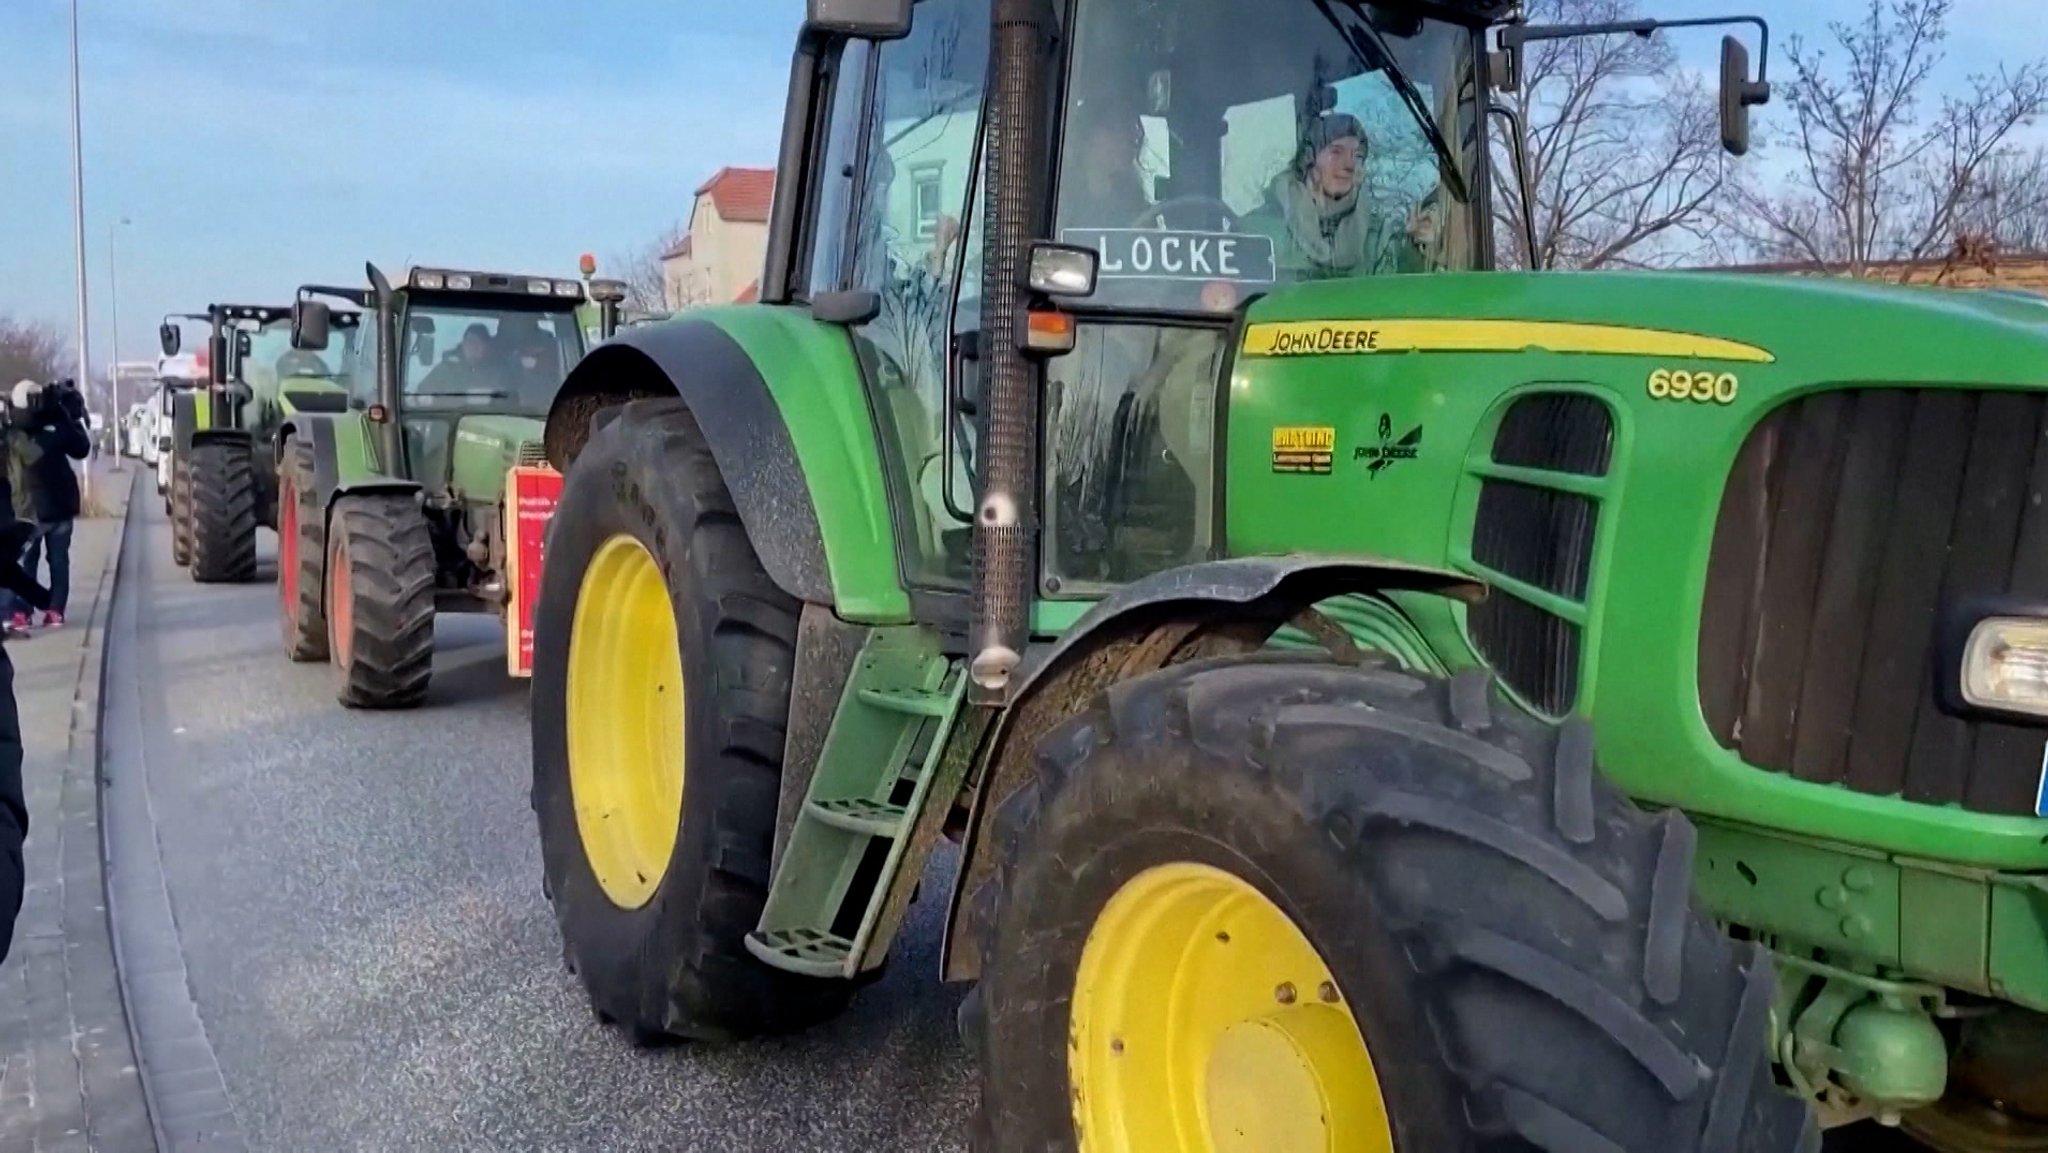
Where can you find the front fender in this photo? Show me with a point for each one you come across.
(780, 401)
(1115, 640)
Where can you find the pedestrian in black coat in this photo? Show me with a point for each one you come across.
(14, 534)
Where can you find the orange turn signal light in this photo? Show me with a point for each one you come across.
(1048, 330)
(378, 414)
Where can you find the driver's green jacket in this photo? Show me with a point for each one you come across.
(1312, 243)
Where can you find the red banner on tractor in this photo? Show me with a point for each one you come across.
(531, 494)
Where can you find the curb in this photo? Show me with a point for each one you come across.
(86, 715)
(182, 1087)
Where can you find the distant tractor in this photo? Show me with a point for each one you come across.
(426, 490)
(227, 435)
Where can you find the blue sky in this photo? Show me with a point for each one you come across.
(258, 144)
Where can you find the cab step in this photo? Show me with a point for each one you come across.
(875, 773)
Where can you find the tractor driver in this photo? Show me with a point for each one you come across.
(535, 371)
(468, 370)
(1322, 224)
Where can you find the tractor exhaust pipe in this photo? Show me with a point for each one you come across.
(1006, 517)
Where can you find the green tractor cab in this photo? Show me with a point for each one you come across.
(393, 505)
(1381, 701)
(222, 474)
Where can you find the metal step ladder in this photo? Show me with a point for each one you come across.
(874, 773)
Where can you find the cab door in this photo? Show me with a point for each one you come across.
(900, 151)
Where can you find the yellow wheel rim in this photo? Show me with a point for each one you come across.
(625, 720)
(1204, 1020)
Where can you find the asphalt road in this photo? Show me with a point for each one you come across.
(358, 898)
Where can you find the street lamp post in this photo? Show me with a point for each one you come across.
(113, 323)
(78, 222)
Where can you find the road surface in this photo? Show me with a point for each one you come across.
(357, 896)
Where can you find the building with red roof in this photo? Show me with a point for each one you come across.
(721, 257)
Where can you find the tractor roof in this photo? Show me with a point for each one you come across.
(566, 292)
(264, 314)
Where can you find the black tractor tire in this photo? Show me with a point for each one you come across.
(301, 550)
(676, 967)
(379, 600)
(223, 512)
(181, 513)
(1516, 940)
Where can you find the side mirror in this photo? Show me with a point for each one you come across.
(1738, 95)
(310, 320)
(423, 349)
(861, 19)
(169, 338)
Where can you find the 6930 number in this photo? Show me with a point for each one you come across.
(1678, 384)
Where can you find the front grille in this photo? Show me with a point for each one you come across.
(1848, 520)
(1542, 538)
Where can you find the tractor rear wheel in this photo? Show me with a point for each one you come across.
(223, 517)
(1273, 902)
(380, 600)
(661, 690)
(181, 513)
(301, 547)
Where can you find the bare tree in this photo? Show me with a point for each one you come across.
(30, 350)
(1878, 173)
(2009, 204)
(1624, 150)
(641, 269)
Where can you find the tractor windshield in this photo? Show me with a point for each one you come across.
(1213, 148)
(483, 358)
(272, 358)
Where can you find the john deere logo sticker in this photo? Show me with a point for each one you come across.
(1388, 450)
(1303, 449)
(1372, 337)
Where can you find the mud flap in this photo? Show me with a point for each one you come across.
(531, 493)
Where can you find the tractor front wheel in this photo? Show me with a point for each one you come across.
(661, 690)
(1276, 903)
(223, 503)
(380, 600)
(181, 514)
(301, 547)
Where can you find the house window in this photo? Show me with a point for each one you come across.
(930, 192)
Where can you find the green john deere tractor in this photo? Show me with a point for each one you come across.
(225, 436)
(1381, 701)
(394, 507)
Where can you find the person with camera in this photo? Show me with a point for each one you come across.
(15, 583)
(45, 431)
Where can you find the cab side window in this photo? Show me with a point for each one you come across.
(362, 366)
(916, 164)
(838, 170)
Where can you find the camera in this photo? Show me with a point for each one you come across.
(36, 406)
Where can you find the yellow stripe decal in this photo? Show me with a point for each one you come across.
(1366, 337)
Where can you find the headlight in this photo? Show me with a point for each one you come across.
(459, 283)
(427, 280)
(2005, 665)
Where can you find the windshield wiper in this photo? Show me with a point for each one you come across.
(1369, 43)
(469, 394)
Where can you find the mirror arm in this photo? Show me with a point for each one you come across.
(1513, 37)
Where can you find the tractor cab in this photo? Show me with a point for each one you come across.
(454, 358)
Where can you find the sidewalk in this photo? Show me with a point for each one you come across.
(68, 1079)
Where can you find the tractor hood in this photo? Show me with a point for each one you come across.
(484, 447)
(1818, 329)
